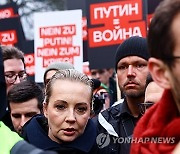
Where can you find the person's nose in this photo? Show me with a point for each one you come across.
(70, 117)
(23, 121)
(131, 71)
(17, 80)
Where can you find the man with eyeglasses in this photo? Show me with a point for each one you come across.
(14, 66)
(160, 124)
(14, 71)
(118, 121)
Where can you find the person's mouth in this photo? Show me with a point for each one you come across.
(69, 131)
(130, 84)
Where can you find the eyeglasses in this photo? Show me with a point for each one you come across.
(172, 57)
(144, 106)
(11, 76)
(175, 57)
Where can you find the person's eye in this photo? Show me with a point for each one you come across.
(29, 115)
(122, 67)
(9, 75)
(60, 107)
(21, 75)
(16, 116)
(81, 109)
(93, 73)
(140, 66)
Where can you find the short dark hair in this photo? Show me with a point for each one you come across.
(25, 91)
(11, 52)
(161, 41)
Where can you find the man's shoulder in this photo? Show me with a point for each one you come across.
(109, 114)
(119, 102)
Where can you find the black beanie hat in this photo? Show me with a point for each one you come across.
(133, 46)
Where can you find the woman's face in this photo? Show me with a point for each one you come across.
(68, 110)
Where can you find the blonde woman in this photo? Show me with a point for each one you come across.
(67, 110)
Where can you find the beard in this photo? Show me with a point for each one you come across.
(134, 93)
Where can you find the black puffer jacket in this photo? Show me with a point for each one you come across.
(36, 133)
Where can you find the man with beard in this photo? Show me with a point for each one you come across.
(160, 125)
(116, 124)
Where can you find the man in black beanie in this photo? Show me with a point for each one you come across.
(116, 124)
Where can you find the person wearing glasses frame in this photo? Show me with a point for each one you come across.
(14, 72)
(162, 120)
(14, 66)
(11, 77)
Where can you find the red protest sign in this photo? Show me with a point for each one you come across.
(8, 37)
(120, 20)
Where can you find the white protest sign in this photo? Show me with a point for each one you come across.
(57, 37)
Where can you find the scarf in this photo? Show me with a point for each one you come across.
(158, 131)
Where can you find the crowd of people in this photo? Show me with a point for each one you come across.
(75, 113)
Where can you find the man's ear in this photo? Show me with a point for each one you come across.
(45, 109)
(159, 72)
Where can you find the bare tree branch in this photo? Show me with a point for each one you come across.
(27, 8)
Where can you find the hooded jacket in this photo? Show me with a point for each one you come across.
(36, 133)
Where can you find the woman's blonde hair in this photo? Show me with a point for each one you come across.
(68, 74)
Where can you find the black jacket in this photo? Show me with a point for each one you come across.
(115, 128)
(36, 133)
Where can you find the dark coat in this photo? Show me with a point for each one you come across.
(36, 133)
(115, 125)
